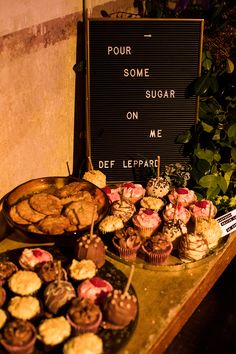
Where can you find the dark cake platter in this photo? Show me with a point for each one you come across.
(113, 340)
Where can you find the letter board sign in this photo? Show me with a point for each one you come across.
(138, 76)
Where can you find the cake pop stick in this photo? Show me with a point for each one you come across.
(91, 164)
(129, 280)
(175, 211)
(93, 220)
(68, 168)
(158, 166)
(59, 273)
(209, 215)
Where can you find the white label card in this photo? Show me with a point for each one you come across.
(227, 222)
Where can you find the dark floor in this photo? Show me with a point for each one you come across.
(212, 327)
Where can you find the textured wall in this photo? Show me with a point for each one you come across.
(37, 85)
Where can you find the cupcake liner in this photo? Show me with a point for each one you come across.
(26, 348)
(129, 254)
(83, 327)
(157, 258)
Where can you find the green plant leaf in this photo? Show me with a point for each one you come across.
(227, 177)
(232, 132)
(206, 59)
(233, 154)
(202, 85)
(204, 154)
(214, 83)
(207, 127)
(203, 167)
(184, 137)
(213, 192)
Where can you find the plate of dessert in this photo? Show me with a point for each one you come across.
(50, 302)
(160, 227)
(54, 207)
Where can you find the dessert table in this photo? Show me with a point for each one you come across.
(167, 298)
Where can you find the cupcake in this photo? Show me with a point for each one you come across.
(211, 230)
(24, 282)
(132, 191)
(53, 331)
(146, 221)
(174, 230)
(95, 289)
(157, 187)
(110, 223)
(127, 242)
(96, 177)
(80, 270)
(152, 203)
(57, 295)
(49, 271)
(124, 209)
(184, 196)
(30, 257)
(7, 269)
(86, 343)
(18, 336)
(2, 296)
(157, 249)
(193, 247)
(203, 209)
(3, 318)
(84, 316)
(91, 247)
(112, 193)
(24, 307)
(176, 212)
(119, 309)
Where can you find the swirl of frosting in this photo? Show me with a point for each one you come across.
(57, 294)
(146, 218)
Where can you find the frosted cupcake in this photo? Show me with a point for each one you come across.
(127, 242)
(157, 187)
(184, 196)
(84, 344)
(211, 230)
(152, 203)
(30, 257)
(157, 249)
(53, 331)
(95, 289)
(112, 193)
(24, 307)
(132, 191)
(124, 209)
(193, 247)
(203, 209)
(174, 230)
(110, 223)
(146, 221)
(176, 212)
(24, 282)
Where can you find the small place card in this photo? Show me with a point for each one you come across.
(227, 222)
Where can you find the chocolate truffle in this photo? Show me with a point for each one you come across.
(91, 247)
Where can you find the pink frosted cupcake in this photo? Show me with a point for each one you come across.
(112, 193)
(31, 257)
(127, 242)
(173, 212)
(184, 196)
(157, 249)
(132, 191)
(94, 289)
(146, 221)
(203, 209)
(19, 336)
(84, 316)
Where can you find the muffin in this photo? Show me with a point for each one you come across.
(193, 247)
(146, 221)
(119, 309)
(184, 196)
(19, 336)
(80, 270)
(152, 203)
(24, 307)
(84, 316)
(132, 191)
(127, 242)
(91, 247)
(2, 296)
(174, 230)
(157, 187)
(57, 295)
(157, 249)
(211, 230)
(95, 289)
(87, 343)
(30, 257)
(54, 331)
(7, 269)
(24, 282)
(110, 223)
(176, 212)
(96, 177)
(49, 271)
(203, 209)
(124, 209)
(112, 193)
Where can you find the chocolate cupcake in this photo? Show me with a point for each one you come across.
(57, 295)
(49, 271)
(19, 336)
(91, 247)
(119, 309)
(127, 242)
(84, 316)
(157, 249)
(7, 269)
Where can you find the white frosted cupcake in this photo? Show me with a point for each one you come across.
(157, 187)
(87, 343)
(193, 247)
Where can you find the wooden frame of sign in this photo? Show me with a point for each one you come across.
(139, 74)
